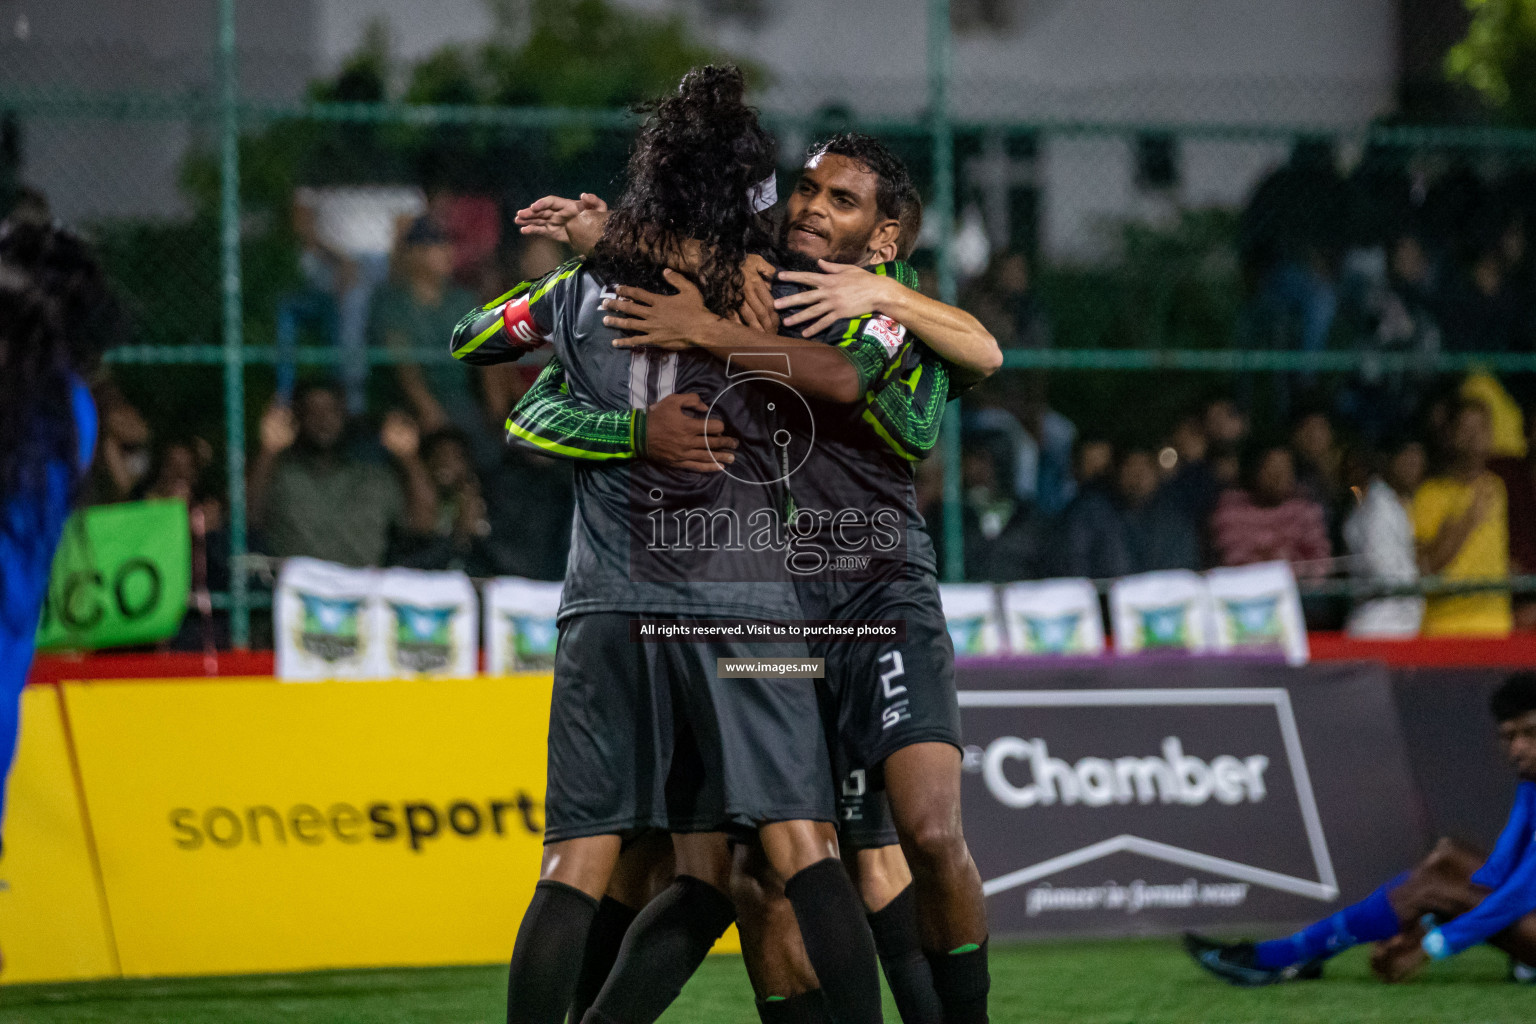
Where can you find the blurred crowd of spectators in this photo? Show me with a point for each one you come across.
(1455, 499)
(437, 487)
(1404, 255)
(402, 466)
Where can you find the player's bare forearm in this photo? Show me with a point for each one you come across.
(953, 334)
(585, 229)
(581, 225)
(840, 291)
(682, 321)
(816, 369)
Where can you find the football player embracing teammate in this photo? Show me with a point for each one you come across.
(645, 735)
(891, 705)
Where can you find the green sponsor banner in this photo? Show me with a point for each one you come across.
(120, 577)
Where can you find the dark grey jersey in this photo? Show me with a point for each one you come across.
(647, 538)
(856, 514)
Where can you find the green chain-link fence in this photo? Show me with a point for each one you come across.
(1140, 248)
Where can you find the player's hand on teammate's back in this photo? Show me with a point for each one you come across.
(670, 322)
(399, 435)
(757, 311)
(279, 428)
(577, 222)
(843, 292)
(679, 432)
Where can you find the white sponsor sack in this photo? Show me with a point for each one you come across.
(428, 624)
(1161, 611)
(1053, 617)
(1257, 608)
(323, 626)
(970, 611)
(520, 630)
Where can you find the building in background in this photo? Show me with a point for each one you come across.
(1239, 63)
(1254, 63)
(56, 52)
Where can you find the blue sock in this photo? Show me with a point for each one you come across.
(1369, 920)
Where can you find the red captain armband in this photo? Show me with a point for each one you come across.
(522, 330)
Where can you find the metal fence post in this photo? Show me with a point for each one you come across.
(942, 211)
(234, 361)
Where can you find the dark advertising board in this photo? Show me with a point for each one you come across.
(1149, 796)
(1453, 749)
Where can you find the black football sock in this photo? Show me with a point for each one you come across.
(547, 957)
(805, 1008)
(837, 940)
(900, 946)
(662, 950)
(608, 927)
(960, 977)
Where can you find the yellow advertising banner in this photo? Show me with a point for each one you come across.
(52, 919)
(250, 825)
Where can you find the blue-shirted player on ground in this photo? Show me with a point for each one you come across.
(55, 317)
(1451, 902)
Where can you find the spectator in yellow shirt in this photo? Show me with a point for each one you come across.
(1461, 526)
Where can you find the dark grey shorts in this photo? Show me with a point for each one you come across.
(644, 735)
(864, 819)
(881, 697)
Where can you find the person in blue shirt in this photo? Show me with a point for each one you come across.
(1454, 900)
(55, 317)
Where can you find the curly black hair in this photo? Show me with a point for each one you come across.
(895, 195)
(698, 154)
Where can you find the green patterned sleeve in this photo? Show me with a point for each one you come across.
(510, 326)
(873, 342)
(905, 408)
(549, 420)
(906, 386)
(902, 271)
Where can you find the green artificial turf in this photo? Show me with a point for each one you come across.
(1078, 982)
